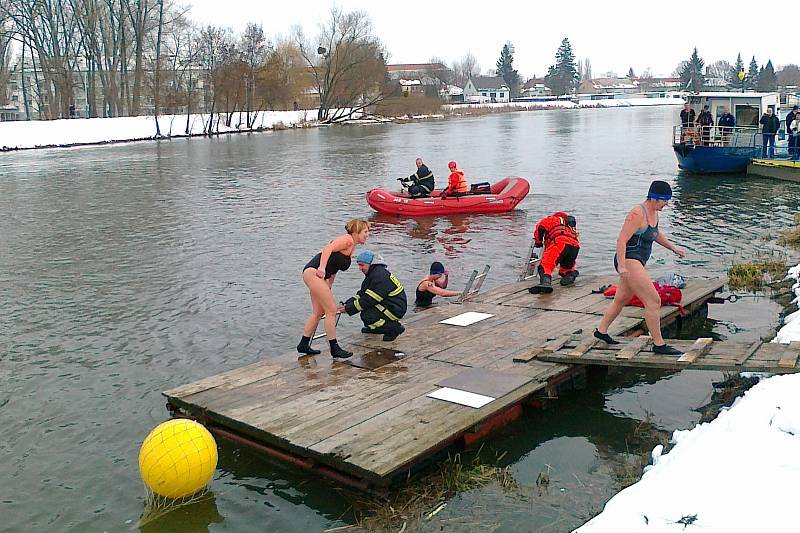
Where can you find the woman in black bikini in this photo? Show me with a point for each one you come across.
(634, 245)
(319, 274)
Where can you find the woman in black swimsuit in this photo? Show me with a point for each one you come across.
(634, 245)
(319, 274)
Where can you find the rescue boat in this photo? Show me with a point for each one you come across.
(503, 196)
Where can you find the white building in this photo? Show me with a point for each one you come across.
(480, 88)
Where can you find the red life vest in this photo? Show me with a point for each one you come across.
(670, 295)
(554, 227)
(456, 182)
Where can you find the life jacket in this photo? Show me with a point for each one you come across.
(555, 227)
(670, 295)
(456, 182)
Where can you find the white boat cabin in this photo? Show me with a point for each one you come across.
(747, 107)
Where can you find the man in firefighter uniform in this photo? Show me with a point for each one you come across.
(421, 183)
(381, 301)
(559, 238)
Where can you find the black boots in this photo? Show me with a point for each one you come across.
(392, 331)
(666, 349)
(569, 278)
(605, 337)
(337, 352)
(305, 348)
(370, 331)
(545, 285)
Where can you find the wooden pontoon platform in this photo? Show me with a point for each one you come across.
(369, 421)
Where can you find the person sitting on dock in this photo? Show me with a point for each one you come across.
(432, 285)
(319, 275)
(421, 183)
(557, 234)
(770, 124)
(456, 182)
(726, 123)
(381, 301)
(706, 122)
(634, 246)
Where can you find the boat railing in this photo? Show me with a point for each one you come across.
(716, 136)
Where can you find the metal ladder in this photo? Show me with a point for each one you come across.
(532, 263)
(323, 334)
(476, 280)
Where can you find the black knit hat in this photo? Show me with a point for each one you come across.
(571, 222)
(659, 190)
(437, 268)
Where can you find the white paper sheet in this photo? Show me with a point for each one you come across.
(461, 397)
(465, 319)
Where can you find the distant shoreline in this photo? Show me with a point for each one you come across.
(71, 133)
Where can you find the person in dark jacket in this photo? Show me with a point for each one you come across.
(793, 148)
(420, 183)
(381, 301)
(726, 123)
(770, 124)
(706, 122)
(687, 122)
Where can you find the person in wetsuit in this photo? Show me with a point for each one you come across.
(634, 245)
(432, 285)
(421, 183)
(381, 301)
(319, 275)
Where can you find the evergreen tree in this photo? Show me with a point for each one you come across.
(752, 74)
(562, 77)
(505, 69)
(691, 73)
(733, 75)
(767, 80)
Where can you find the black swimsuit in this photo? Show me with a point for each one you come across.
(640, 245)
(424, 298)
(337, 262)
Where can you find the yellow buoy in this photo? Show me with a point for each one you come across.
(178, 458)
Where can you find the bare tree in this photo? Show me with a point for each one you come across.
(283, 78)
(6, 35)
(348, 65)
(213, 48)
(254, 48)
(465, 69)
(442, 74)
(789, 75)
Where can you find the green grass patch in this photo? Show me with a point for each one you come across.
(791, 237)
(755, 274)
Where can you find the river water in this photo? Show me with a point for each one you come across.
(131, 269)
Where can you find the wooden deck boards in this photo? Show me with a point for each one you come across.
(738, 357)
(373, 424)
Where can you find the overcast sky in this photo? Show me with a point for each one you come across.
(613, 36)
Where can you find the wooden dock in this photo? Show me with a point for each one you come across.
(782, 169)
(369, 421)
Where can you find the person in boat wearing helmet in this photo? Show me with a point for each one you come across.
(381, 301)
(456, 182)
(421, 183)
(432, 285)
(557, 234)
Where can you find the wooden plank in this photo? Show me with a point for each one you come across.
(750, 351)
(789, 357)
(555, 344)
(584, 346)
(634, 347)
(697, 349)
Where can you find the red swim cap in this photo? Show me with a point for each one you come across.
(451, 165)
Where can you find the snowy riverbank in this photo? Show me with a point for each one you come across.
(55, 133)
(24, 135)
(735, 474)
